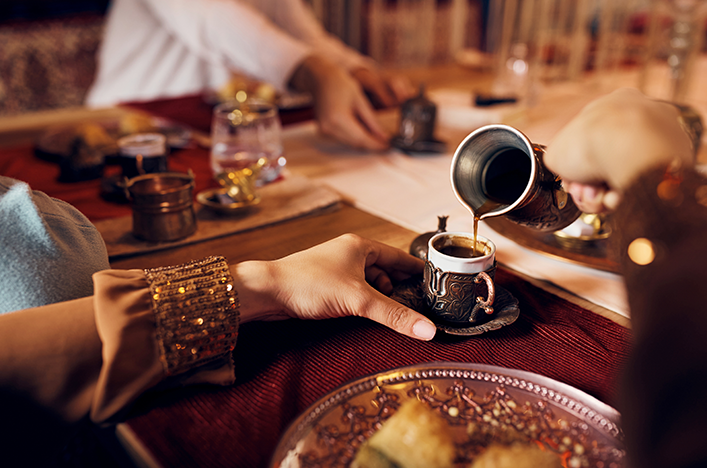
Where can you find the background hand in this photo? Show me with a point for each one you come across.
(611, 142)
(342, 110)
(385, 89)
(348, 275)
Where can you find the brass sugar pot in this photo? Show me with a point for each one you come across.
(162, 206)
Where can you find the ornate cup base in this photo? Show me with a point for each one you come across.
(411, 294)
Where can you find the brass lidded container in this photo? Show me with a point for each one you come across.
(162, 206)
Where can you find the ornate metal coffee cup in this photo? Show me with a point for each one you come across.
(458, 278)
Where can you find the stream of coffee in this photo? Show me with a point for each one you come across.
(505, 178)
(488, 206)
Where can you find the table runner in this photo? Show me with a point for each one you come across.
(285, 199)
(283, 367)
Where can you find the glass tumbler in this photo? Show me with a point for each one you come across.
(675, 36)
(243, 133)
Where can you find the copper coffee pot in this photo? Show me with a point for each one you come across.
(497, 171)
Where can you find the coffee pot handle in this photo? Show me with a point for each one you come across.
(486, 305)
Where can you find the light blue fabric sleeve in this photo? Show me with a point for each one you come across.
(48, 249)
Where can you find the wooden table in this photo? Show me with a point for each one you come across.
(272, 242)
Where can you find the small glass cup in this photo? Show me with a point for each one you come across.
(246, 134)
(675, 35)
(143, 153)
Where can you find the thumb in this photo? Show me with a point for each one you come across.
(403, 320)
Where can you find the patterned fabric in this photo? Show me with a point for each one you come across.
(47, 64)
(196, 311)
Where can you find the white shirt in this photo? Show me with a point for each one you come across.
(166, 48)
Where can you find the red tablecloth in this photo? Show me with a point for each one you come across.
(195, 112)
(21, 163)
(283, 367)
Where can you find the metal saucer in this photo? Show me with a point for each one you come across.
(506, 308)
(217, 199)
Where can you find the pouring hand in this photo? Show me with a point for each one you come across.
(611, 142)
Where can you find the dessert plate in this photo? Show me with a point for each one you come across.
(580, 429)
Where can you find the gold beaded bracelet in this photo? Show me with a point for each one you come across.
(196, 312)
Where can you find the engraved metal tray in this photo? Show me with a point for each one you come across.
(583, 431)
(593, 254)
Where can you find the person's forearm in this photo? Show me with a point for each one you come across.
(52, 355)
(96, 355)
(306, 75)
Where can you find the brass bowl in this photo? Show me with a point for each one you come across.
(602, 230)
(213, 199)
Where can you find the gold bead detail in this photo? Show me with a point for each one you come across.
(187, 300)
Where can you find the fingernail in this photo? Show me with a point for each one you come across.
(424, 330)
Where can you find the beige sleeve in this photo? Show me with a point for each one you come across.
(98, 354)
(51, 355)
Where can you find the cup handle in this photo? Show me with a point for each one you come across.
(486, 305)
